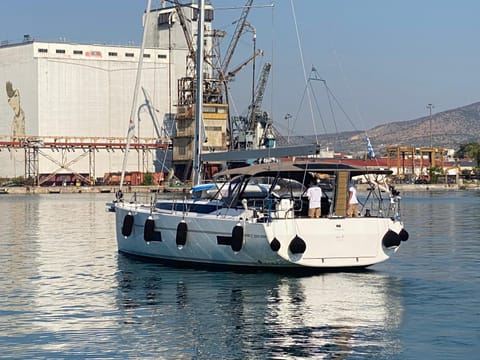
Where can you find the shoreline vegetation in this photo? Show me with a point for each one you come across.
(32, 190)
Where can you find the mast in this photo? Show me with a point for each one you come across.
(131, 125)
(198, 95)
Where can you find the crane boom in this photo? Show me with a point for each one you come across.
(236, 36)
(186, 32)
(232, 73)
(262, 83)
(256, 106)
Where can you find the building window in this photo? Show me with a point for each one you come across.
(60, 51)
(43, 50)
(129, 55)
(208, 15)
(146, 55)
(213, 128)
(162, 56)
(163, 18)
(112, 54)
(77, 52)
(181, 124)
(182, 150)
(209, 109)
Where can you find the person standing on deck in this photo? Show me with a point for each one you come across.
(314, 194)
(352, 210)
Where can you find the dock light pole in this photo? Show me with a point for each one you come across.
(430, 107)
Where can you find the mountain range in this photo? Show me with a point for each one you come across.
(447, 129)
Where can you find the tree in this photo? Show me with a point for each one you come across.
(435, 172)
(148, 179)
(471, 151)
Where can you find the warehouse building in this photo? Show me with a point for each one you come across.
(81, 95)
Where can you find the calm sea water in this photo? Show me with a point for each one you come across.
(65, 292)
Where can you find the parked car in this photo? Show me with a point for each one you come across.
(422, 179)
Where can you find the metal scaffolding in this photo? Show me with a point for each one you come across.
(35, 147)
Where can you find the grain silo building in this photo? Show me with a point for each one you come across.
(81, 94)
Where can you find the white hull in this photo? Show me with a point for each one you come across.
(257, 218)
(333, 242)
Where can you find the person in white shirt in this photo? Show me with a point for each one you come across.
(352, 210)
(314, 194)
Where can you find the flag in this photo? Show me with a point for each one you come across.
(371, 153)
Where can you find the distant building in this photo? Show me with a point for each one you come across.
(64, 90)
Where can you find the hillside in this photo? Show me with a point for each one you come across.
(449, 129)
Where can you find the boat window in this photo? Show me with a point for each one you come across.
(179, 206)
(286, 186)
(205, 191)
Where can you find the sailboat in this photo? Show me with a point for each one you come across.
(256, 217)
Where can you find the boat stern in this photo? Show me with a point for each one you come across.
(337, 242)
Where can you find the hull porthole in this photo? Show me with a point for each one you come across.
(403, 235)
(275, 245)
(391, 239)
(237, 238)
(182, 230)
(149, 233)
(297, 245)
(127, 226)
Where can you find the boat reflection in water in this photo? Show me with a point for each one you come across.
(190, 313)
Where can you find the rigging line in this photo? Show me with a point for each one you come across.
(318, 108)
(359, 114)
(331, 108)
(303, 66)
(245, 6)
(333, 114)
(316, 77)
(341, 108)
(231, 101)
(131, 127)
(272, 77)
(349, 88)
(299, 107)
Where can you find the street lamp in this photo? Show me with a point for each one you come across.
(430, 107)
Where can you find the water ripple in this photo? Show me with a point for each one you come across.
(66, 293)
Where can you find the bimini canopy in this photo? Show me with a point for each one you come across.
(296, 170)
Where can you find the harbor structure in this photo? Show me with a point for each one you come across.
(64, 106)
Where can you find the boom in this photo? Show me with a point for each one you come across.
(236, 37)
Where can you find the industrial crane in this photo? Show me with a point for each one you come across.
(255, 108)
(235, 38)
(223, 73)
(254, 130)
(234, 72)
(186, 31)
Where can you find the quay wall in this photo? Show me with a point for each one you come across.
(180, 189)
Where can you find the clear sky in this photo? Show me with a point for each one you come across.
(383, 60)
